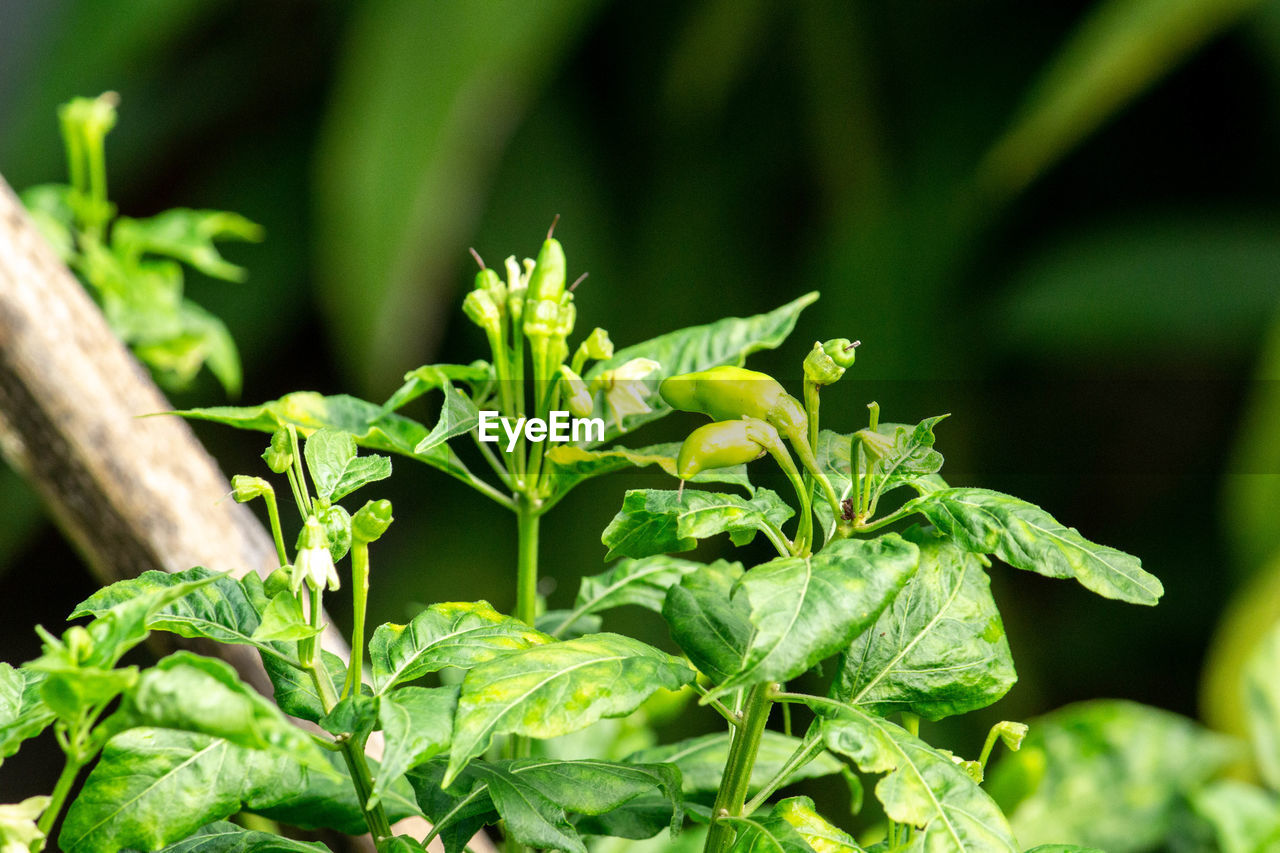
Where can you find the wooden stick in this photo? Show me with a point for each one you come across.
(131, 494)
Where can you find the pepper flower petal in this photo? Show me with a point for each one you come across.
(625, 392)
(314, 564)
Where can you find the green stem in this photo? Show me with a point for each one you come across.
(804, 533)
(527, 520)
(806, 752)
(359, 597)
(737, 773)
(59, 796)
(273, 515)
(812, 402)
(353, 754)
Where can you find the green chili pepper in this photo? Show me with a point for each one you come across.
(547, 279)
(721, 444)
(826, 363)
(729, 393)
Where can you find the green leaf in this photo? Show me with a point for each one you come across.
(1244, 817)
(458, 634)
(220, 608)
(295, 692)
(1027, 537)
(765, 834)
(188, 692)
(643, 583)
(458, 413)
(23, 713)
(283, 620)
(896, 455)
(534, 797)
(1262, 706)
(659, 522)
(458, 416)
(709, 623)
(554, 689)
(922, 787)
(817, 832)
(336, 470)
(371, 427)
(805, 609)
(431, 377)
(701, 760)
(940, 648)
(727, 341)
(155, 786)
(224, 837)
(188, 236)
(571, 465)
(1107, 774)
(18, 830)
(1064, 848)
(417, 723)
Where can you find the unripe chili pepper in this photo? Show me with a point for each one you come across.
(371, 521)
(826, 363)
(721, 444)
(729, 393)
(279, 454)
(547, 279)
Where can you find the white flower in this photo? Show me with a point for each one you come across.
(314, 563)
(18, 824)
(625, 392)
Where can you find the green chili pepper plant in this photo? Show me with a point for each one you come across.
(477, 710)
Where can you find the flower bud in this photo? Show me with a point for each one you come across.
(597, 345)
(279, 454)
(371, 521)
(245, 489)
(483, 310)
(576, 396)
(314, 564)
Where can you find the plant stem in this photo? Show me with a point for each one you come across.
(527, 520)
(59, 796)
(808, 749)
(737, 772)
(273, 515)
(804, 533)
(812, 402)
(359, 597)
(353, 754)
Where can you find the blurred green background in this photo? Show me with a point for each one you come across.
(1060, 222)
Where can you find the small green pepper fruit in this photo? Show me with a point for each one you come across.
(729, 393)
(245, 488)
(576, 396)
(279, 454)
(488, 281)
(842, 351)
(371, 521)
(722, 444)
(826, 363)
(548, 276)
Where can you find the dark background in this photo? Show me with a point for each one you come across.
(1056, 221)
